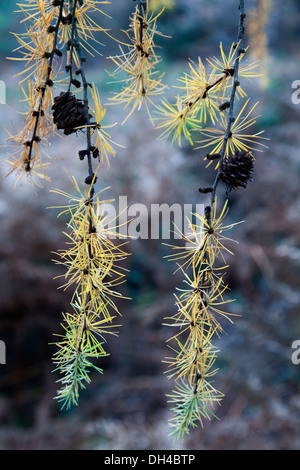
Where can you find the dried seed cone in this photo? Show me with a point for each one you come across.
(237, 170)
(68, 112)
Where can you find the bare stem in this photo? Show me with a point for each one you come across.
(236, 83)
(44, 87)
(142, 8)
(75, 44)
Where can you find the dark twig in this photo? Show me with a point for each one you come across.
(142, 8)
(35, 137)
(236, 83)
(75, 44)
(220, 156)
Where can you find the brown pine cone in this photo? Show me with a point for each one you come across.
(237, 170)
(68, 112)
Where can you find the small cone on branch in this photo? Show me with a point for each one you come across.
(68, 112)
(237, 170)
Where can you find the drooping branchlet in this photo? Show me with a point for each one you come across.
(208, 95)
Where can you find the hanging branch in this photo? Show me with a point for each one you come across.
(85, 86)
(64, 29)
(201, 305)
(139, 62)
(40, 51)
(91, 257)
(236, 84)
(48, 83)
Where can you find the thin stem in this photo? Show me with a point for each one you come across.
(142, 8)
(191, 104)
(43, 88)
(236, 83)
(73, 28)
(75, 43)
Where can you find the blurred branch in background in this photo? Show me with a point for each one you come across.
(258, 36)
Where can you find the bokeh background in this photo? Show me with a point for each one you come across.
(126, 407)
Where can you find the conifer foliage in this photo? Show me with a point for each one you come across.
(205, 109)
(59, 36)
(54, 48)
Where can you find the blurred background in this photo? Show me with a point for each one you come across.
(126, 407)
